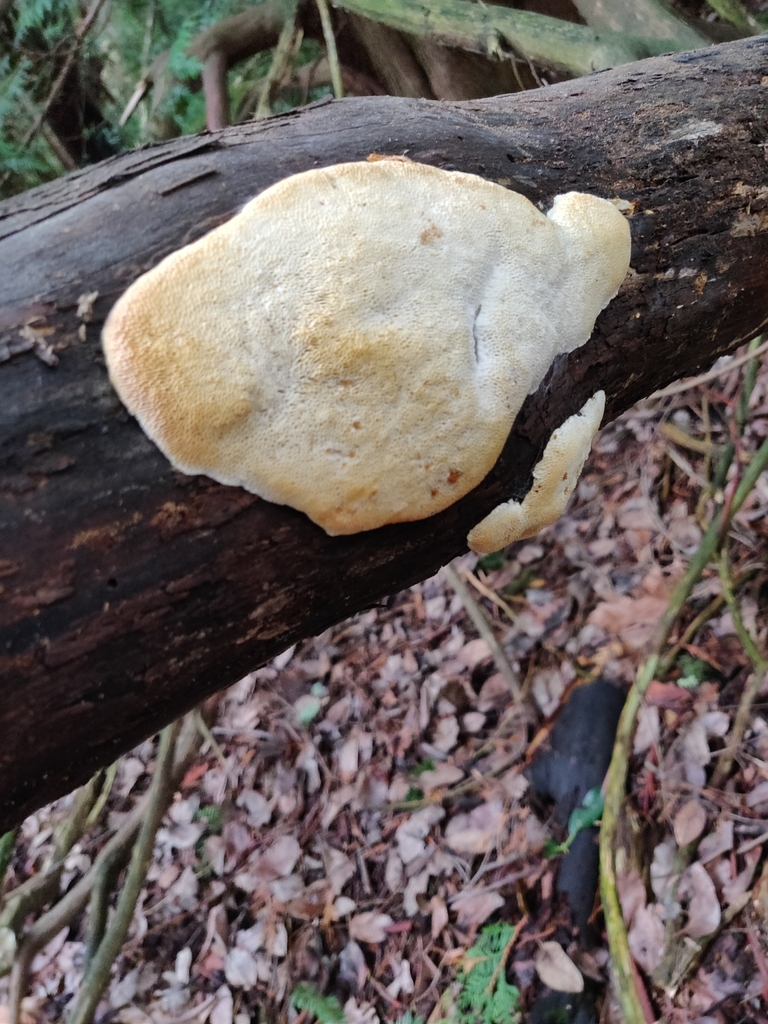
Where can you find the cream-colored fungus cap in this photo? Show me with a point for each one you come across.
(357, 341)
(554, 478)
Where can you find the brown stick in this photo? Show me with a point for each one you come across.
(240, 35)
(131, 591)
(216, 90)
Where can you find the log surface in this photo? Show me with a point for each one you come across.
(129, 591)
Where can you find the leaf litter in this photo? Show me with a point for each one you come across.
(366, 822)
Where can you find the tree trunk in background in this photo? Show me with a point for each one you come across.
(130, 591)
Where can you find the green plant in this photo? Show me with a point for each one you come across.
(327, 1009)
(211, 815)
(50, 18)
(693, 671)
(585, 816)
(486, 997)
(488, 563)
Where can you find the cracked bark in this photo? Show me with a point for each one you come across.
(130, 592)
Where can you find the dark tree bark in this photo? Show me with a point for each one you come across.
(131, 591)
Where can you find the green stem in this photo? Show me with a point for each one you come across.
(160, 794)
(621, 957)
(754, 653)
(751, 690)
(330, 48)
(7, 843)
(710, 542)
(106, 789)
(43, 887)
(616, 781)
(750, 378)
(98, 908)
(277, 69)
(666, 661)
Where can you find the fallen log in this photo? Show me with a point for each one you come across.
(129, 591)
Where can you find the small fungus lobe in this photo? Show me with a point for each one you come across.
(554, 477)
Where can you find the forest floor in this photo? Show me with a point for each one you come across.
(364, 809)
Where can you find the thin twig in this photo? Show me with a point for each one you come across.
(209, 738)
(490, 594)
(149, 25)
(278, 67)
(446, 795)
(70, 830)
(501, 965)
(670, 657)
(483, 627)
(98, 908)
(683, 438)
(137, 96)
(710, 542)
(682, 463)
(58, 148)
(705, 378)
(748, 385)
(330, 48)
(698, 947)
(467, 893)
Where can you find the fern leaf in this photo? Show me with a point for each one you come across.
(13, 82)
(327, 1009)
(486, 997)
(49, 18)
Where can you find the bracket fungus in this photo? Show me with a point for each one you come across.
(554, 478)
(357, 341)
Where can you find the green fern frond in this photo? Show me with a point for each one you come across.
(50, 18)
(327, 1009)
(180, 63)
(486, 997)
(17, 161)
(13, 82)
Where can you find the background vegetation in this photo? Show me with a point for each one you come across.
(80, 82)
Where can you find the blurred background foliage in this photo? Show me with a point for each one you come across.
(81, 81)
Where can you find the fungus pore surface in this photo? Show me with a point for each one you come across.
(357, 341)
